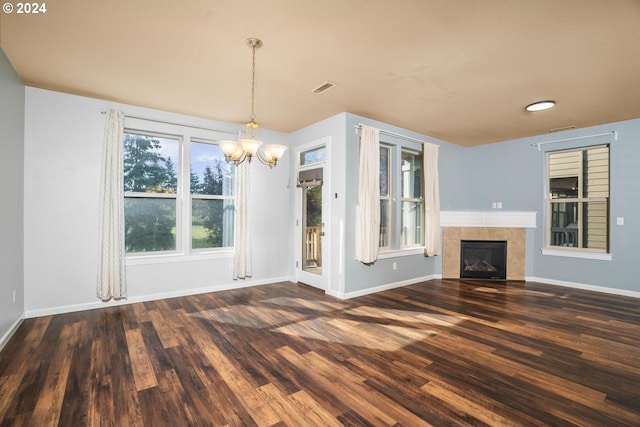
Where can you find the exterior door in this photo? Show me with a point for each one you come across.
(311, 225)
(312, 228)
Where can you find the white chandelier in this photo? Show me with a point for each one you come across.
(248, 144)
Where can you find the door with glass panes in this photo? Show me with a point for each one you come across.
(311, 261)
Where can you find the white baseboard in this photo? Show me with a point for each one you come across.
(151, 297)
(585, 287)
(246, 283)
(12, 330)
(381, 288)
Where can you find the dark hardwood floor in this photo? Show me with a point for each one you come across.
(443, 352)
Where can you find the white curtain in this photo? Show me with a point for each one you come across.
(431, 200)
(242, 242)
(368, 208)
(111, 262)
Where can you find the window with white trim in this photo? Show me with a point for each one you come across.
(159, 169)
(412, 207)
(150, 192)
(385, 196)
(212, 206)
(401, 198)
(578, 199)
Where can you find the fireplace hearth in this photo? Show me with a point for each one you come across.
(516, 248)
(483, 259)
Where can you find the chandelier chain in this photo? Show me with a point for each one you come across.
(253, 82)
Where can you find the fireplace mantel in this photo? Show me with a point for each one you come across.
(510, 219)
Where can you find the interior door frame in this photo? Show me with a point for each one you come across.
(317, 281)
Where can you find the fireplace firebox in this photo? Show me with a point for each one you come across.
(483, 259)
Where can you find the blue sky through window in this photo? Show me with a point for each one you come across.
(203, 155)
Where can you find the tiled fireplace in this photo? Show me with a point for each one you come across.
(485, 226)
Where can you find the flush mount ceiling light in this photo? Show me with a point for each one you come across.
(540, 105)
(248, 144)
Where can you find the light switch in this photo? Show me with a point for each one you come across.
(620, 220)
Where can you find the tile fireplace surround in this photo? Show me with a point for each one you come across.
(479, 225)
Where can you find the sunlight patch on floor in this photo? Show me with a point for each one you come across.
(305, 303)
(405, 315)
(363, 326)
(251, 316)
(350, 332)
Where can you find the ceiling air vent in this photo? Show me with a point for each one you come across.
(563, 128)
(323, 87)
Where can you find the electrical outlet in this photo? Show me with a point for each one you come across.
(499, 205)
(14, 297)
(395, 265)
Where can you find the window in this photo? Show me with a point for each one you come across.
(159, 169)
(578, 199)
(212, 208)
(313, 156)
(385, 195)
(150, 189)
(401, 198)
(411, 200)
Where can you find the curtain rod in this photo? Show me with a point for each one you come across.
(538, 144)
(408, 138)
(174, 123)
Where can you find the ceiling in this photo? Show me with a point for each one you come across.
(458, 70)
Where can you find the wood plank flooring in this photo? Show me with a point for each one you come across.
(443, 352)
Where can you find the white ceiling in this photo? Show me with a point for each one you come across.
(458, 70)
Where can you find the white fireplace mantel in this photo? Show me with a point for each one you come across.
(514, 219)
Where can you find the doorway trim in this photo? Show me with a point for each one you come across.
(323, 280)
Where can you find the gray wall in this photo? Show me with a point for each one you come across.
(12, 97)
(63, 142)
(513, 173)
(359, 276)
(331, 129)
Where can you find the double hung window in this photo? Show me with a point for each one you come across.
(178, 194)
(578, 199)
(212, 208)
(150, 192)
(385, 196)
(401, 198)
(412, 210)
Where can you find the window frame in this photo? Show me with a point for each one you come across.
(418, 200)
(199, 196)
(187, 133)
(176, 195)
(387, 198)
(581, 201)
(395, 199)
